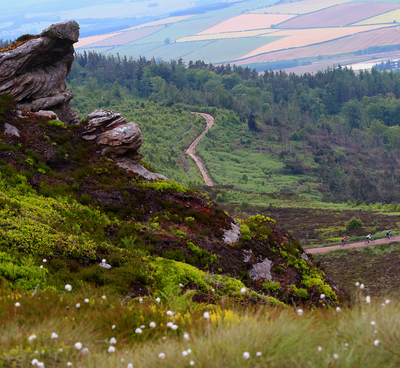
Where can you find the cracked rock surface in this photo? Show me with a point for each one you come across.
(34, 73)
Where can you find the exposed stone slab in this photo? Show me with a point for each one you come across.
(261, 270)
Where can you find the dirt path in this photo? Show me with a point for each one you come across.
(192, 148)
(351, 245)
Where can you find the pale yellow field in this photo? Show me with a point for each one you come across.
(162, 22)
(383, 18)
(247, 22)
(93, 39)
(217, 36)
(300, 7)
(304, 37)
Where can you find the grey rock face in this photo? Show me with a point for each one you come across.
(34, 73)
(11, 130)
(116, 136)
(233, 234)
(261, 270)
(120, 139)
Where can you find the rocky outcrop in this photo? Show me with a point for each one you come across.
(34, 73)
(119, 139)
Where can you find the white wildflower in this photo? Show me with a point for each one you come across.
(69, 364)
(44, 260)
(34, 361)
(86, 300)
(319, 348)
(60, 350)
(336, 356)
(103, 297)
(300, 312)
(161, 356)
(138, 330)
(142, 326)
(103, 261)
(338, 309)
(362, 286)
(373, 323)
(322, 296)
(189, 351)
(186, 336)
(130, 365)
(246, 355)
(259, 353)
(206, 315)
(31, 338)
(78, 346)
(180, 285)
(140, 300)
(387, 301)
(184, 353)
(376, 342)
(78, 305)
(111, 349)
(17, 304)
(113, 326)
(170, 313)
(41, 266)
(191, 362)
(170, 324)
(158, 300)
(243, 290)
(84, 350)
(68, 287)
(357, 284)
(54, 335)
(113, 340)
(368, 299)
(40, 364)
(174, 327)
(152, 324)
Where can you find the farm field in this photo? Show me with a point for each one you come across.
(247, 22)
(300, 7)
(338, 16)
(251, 32)
(217, 36)
(389, 17)
(224, 50)
(128, 36)
(351, 43)
(304, 37)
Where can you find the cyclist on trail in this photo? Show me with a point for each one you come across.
(388, 234)
(343, 240)
(368, 238)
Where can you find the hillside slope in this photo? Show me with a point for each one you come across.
(142, 229)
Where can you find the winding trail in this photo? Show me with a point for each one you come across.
(351, 245)
(192, 149)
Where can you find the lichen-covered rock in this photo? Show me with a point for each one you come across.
(34, 73)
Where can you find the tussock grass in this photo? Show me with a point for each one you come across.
(284, 338)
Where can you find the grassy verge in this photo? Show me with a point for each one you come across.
(319, 338)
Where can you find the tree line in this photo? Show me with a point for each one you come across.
(348, 123)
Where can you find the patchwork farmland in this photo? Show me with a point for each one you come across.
(339, 16)
(250, 33)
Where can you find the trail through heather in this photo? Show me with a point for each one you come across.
(350, 245)
(192, 149)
